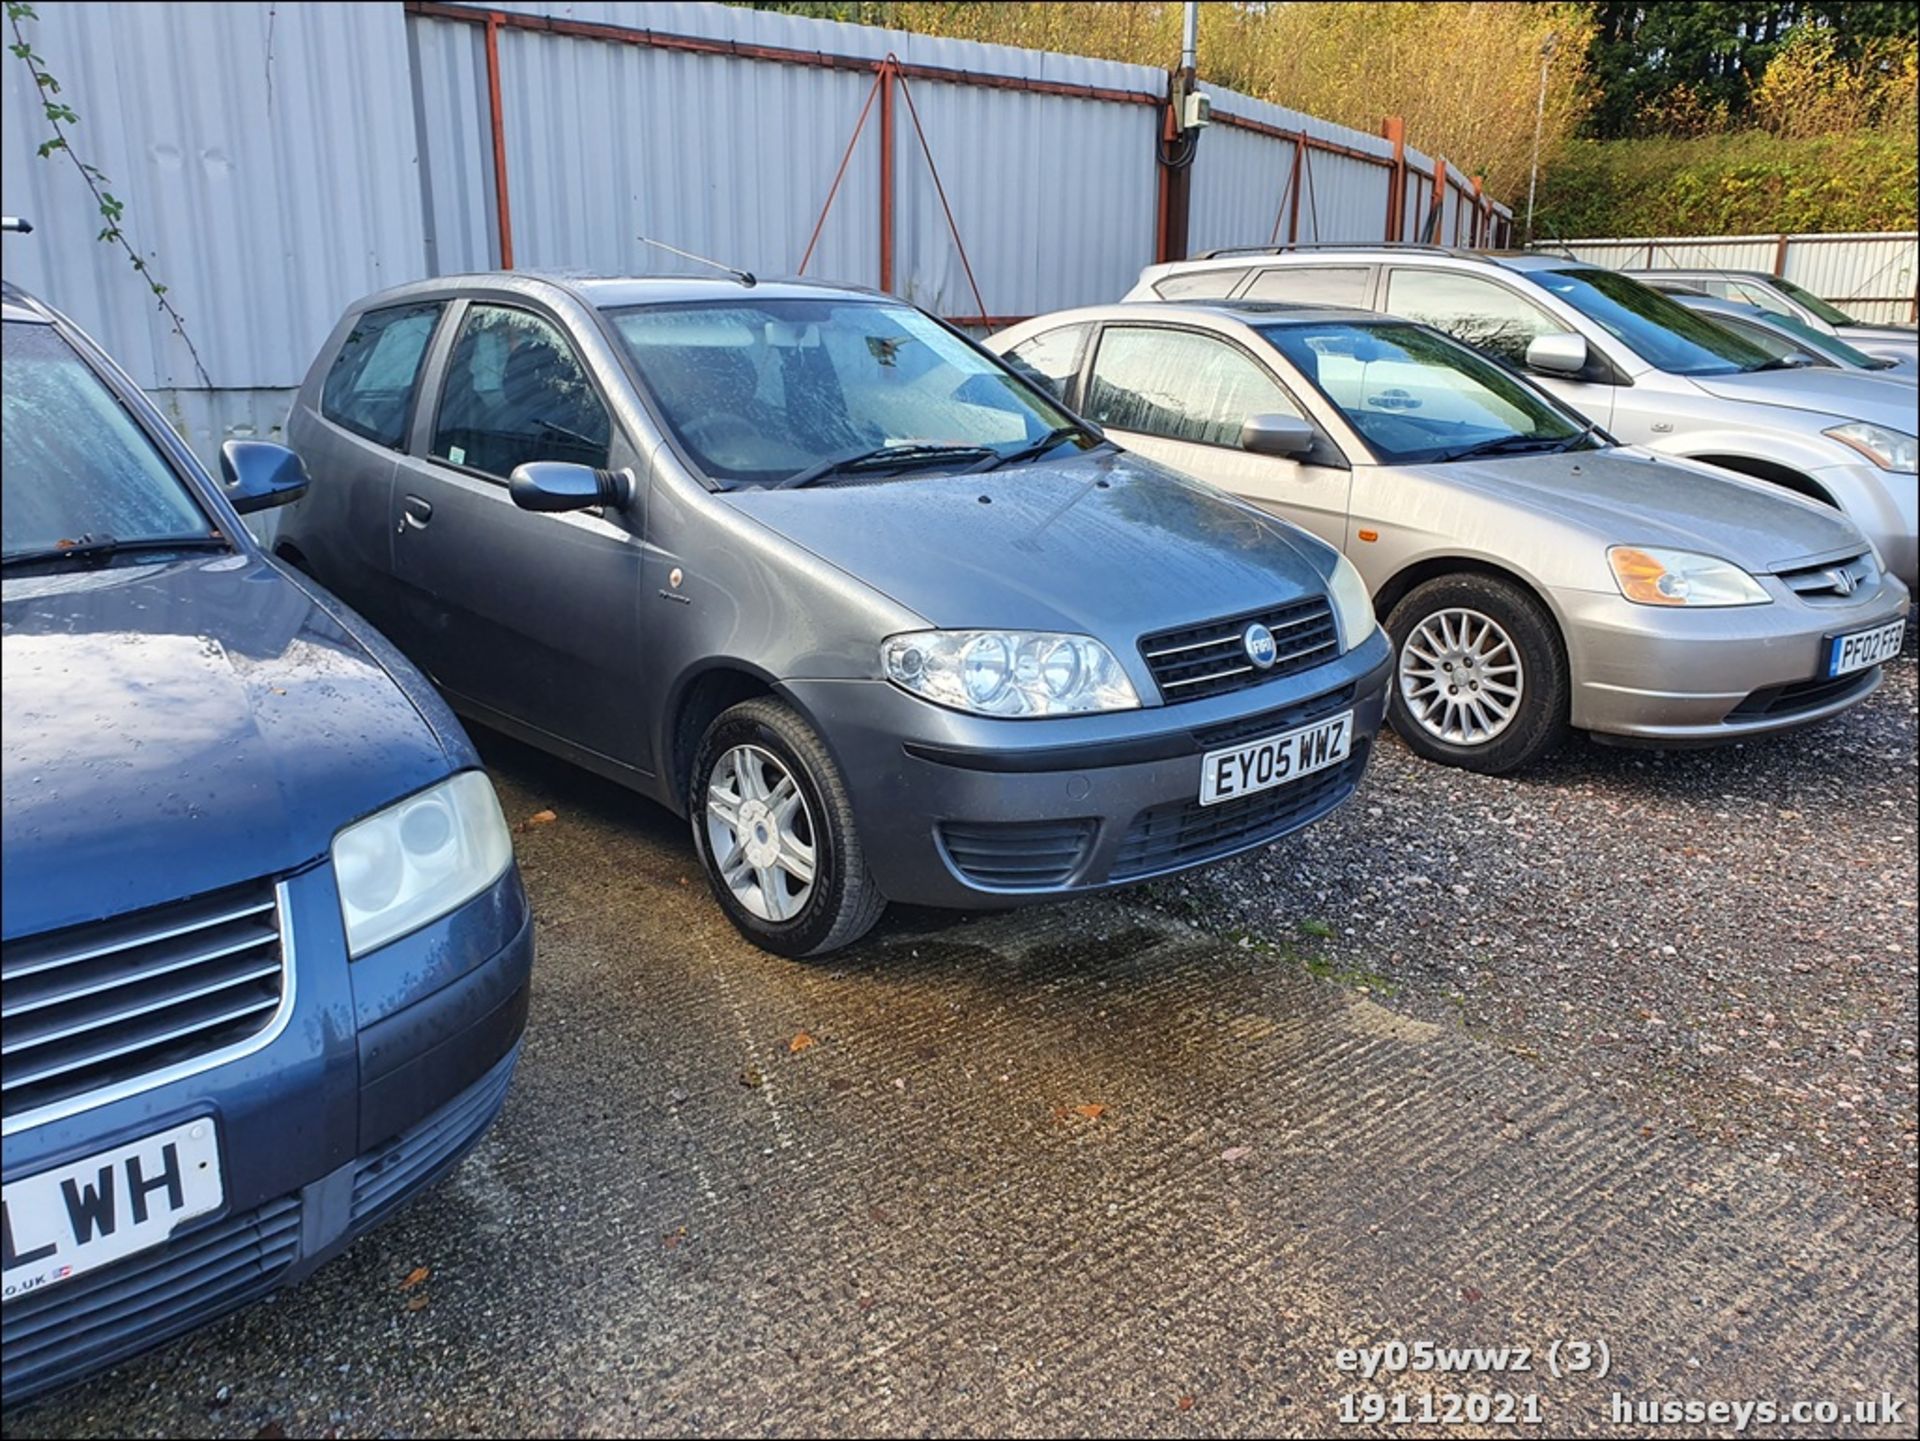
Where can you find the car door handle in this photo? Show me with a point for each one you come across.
(418, 512)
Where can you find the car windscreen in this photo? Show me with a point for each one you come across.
(1655, 327)
(774, 391)
(1417, 397)
(1820, 341)
(79, 470)
(1832, 314)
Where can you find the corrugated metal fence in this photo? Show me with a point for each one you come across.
(278, 161)
(1870, 276)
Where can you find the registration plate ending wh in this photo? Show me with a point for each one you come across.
(1260, 765)
(74, 1218)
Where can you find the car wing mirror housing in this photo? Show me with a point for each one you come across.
(1562, 354)
(258, 475)
(561, 485)
(1273, 434)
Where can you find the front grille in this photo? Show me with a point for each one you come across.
(1273, 722)
(1017, 855)
(1806, 695)
(1170, 837)
(75, 1326)
(1833, 581)
(388, 1174)
(1210, 658)
(109, 1003)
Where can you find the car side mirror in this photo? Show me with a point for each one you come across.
(561, 485)
(1563, 354)
(258, 475)
(1274, 434)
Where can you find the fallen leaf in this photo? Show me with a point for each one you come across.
(415, 1277)
(1093, 1111)
(538, 818)
(417, 1303)
(272, 1431)
(673, 1239)
(1236, 1153)
(799, 1043)
(1185, 1403)
(752, 1077)
(1471, 1294)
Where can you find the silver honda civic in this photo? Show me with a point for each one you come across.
(876, 614)
(1533, 575)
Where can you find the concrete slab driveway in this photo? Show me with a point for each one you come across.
(1065, 1171)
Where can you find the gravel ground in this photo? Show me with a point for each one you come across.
(1725, 938)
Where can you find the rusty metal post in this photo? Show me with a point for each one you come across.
(1479, 215)
(1299, 164)
(1176, 182)
(1780, 257)
(888, 70)
(502, 212)
(1395, 130)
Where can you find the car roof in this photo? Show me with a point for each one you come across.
(1245, 312)
(1376, 252)
(1709, 270)
(611, 292)
(16, 304)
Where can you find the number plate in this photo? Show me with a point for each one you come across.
(1263, 764)
(1861, 648)
(65, 1222)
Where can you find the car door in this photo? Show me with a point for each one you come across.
(526, 619)
(1494, 318)
(1180, 395)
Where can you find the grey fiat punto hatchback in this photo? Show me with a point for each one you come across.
(819, 573)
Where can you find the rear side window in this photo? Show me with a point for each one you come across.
(369, 389)
(516, 392)
(1312, 285)
(1201, 284)
(1179, 385)
(1053, 356)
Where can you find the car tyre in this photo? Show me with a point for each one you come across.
(1480, 674)
(774, 828)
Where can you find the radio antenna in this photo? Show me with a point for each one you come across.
(745, 277)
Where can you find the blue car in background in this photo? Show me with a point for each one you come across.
(266, 952)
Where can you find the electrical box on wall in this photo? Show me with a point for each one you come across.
(1197, 112)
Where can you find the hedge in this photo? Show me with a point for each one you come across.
(1744, 183)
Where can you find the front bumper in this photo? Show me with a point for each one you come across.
(969, 811)
(391, 1068)
(1696, 677)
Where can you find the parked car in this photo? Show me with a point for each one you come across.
(266, 952)
(1533, 575)
(815, 571)
(1785, 336)
(1645, 368)
(1780, 296)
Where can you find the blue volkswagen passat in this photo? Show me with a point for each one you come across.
(266, 953)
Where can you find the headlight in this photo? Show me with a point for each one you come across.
(416, 860)
(1009, 672)
(1648, 576)
(1352, 606)
(1888, 449)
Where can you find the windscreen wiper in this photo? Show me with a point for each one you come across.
(903, 453)
(1573, 440)
(97, 548)
(1034, 451)
(1506, 445)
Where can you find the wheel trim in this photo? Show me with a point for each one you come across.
(1461, 677)
(760, 833)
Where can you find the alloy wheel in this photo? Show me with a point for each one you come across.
(760, 833)
(1461, 677)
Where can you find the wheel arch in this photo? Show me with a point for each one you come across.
(1787, 477)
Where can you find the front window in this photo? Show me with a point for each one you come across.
(80, 473)
(1416, 397)
(785, 392)
(515, 392)
(1655, 327)
(1832, 314)
(1486, 315)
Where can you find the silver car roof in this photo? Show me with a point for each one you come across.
(609, 292)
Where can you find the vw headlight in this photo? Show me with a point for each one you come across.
(1649, 576)
(1352, 606)
(419, 858)
(1009, 672)
(1888, 449)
